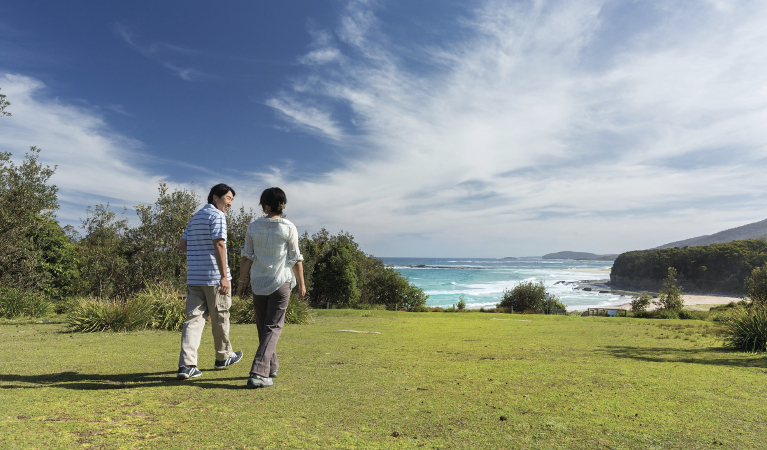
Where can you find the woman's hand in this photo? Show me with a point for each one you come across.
(301, 290)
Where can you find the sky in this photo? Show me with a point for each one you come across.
(423, 128)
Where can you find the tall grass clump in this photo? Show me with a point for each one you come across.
(168, 306)
(298, 312)
(91, 314)
(746, 329)
(21, 303)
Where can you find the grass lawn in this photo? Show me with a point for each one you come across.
(428, 380)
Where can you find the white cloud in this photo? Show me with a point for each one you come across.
(95, 164)
(514, 143)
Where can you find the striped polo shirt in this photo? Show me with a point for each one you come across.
(205, 225)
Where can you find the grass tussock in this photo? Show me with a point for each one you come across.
(299, 312)
(159, 306)
(746, 329)
(15, 303)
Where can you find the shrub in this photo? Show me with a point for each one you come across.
(640, 303)
(461, 305)
(670, 297)
(168, 308)
(299, 312)
(524, 296)
(91, 314)
(665, 314)
(746, 329)
(21, 303)
(756, 285)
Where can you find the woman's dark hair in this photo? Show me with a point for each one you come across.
(219, 190)
(274, 198)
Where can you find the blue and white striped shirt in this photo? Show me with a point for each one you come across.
(206, 225)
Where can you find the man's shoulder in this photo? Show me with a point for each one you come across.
(209, 212)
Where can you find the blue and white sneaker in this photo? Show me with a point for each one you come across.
(188, 372)
(233, 358)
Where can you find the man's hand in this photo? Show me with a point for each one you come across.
(241, 290)
(224, 289)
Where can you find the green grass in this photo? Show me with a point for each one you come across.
(429, 380)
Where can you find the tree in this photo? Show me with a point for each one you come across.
(670, 297)
(388, 287)
(526, 296)
(640, 303)
(27, 209)
(335, 278)
(3, 104)
(154, 254)
(103, 253)
(756, 285)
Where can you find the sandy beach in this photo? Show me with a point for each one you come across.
(696, 302)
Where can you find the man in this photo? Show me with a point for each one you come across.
(208, 285)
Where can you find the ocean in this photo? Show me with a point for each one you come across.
(482, 280)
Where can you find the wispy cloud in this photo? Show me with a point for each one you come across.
(158, 51)
(542, 112)
(95, 164)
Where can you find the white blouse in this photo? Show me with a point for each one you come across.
(272, 245)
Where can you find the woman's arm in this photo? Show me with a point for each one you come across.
(244, 270)
(298, 270)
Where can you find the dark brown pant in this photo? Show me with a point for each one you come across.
(270, 317)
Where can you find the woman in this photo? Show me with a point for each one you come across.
(272, 258)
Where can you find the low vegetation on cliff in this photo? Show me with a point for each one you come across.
(708, 268)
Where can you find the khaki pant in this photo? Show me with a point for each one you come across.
(202, 301)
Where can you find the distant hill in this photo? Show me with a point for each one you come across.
(756, 230)
(583, 256)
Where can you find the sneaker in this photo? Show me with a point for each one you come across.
(233, 358)
(257, 381)
(188, 372)
(273, 374)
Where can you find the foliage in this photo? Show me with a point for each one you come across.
(756, 285)
(641, 302)
(298, 312)
(16, 302)
(461, 305)
(104, 254)
(708, 268)
(337, 273)
(4, 104)
(670, 295)
(32, 256)
(747, 329)
(168, 305)
(388, 287)
(529, 296)
(92, 314)
(152, 247)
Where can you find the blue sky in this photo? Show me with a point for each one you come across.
(485, 128)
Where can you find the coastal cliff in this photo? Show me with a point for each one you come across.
(720, 268)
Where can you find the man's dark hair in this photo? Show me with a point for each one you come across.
(274, 198)
(219, 190)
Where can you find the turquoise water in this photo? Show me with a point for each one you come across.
(483, 280)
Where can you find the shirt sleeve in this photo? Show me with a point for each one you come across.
(218, 227)
(184, 234)
(248, 250)
(294, 252)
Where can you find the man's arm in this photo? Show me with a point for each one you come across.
(182, 245)
(219, 249)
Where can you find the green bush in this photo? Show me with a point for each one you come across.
(530, 298)
(640, 303)
(21, 303)
(91, 314)
(168, 307)
(756, 285)
(299, 312)
(746, 329)
(670, 297)
(461, 305)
